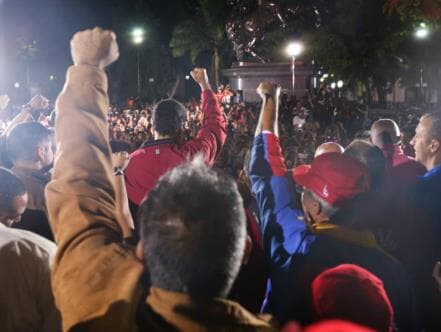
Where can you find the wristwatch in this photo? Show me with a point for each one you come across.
(118, 171)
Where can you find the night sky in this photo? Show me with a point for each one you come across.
(51, 23)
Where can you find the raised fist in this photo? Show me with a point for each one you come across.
(95, 47)
(121, 160)
(4, 102)
(268, 88)
(200, 76)
(38, 102)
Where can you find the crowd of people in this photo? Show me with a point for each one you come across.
(310, 214)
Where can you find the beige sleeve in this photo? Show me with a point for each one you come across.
(92, 270)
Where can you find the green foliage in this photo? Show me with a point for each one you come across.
(203, 32)
(414, 10)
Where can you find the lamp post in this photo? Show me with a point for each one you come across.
(138, 39)
(340, 84)
(293, 50)
(421, 33)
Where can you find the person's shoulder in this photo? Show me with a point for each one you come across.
(22, 243)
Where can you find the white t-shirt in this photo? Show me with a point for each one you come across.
(26, 300)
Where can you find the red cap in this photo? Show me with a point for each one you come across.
(335, 177)
(352, 293)
(334, 325)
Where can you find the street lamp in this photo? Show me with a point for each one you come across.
(138, 39)
(421, 33)
(293, 50)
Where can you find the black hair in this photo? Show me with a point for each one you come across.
(193, 229)
(24, 139)
(371, 156)
(167, 117)
(120, 146)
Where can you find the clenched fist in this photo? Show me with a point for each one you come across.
(95, 47)
(266, 88)
(121, 160)
(200, 76)
(38, 102)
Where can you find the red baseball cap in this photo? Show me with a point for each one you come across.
(335, 177)
(334, 291)
(327, 326)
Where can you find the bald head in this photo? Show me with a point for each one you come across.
(328, 147)
(384, 132)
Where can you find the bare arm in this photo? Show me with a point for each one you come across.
(37, 102)
(120, 162)
(268, 119)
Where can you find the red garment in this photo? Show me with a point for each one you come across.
(148, 163)
(327, 326)
(401, 170)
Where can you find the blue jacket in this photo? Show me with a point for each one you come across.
(297, 255)
(427, 195)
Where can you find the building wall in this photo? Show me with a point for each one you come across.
(246, 77)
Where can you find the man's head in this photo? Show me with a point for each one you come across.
(371, 156)
(13, 197)
(427, 140)
(334, 290)
(193, 231)
(406, 135)
(31, 143)
(328, 147)
(385, 132)
(330, 183)
(167, 117)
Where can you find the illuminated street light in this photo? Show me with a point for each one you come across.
(17, 85)
(340, 84)
(333, 85)
(293, 50)
(138, 39)
(422, 31)
(52, 77)
(187, 77)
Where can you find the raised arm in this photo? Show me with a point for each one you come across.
(120, 162)
(282, 226)
(36, 103)
(94, 276)
(211, 137)
(269, 113)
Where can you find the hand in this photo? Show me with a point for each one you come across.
(4, 102)
(200, 76)
(38, 102)
(437, 274)
(267, 88)
(95, 47)
(121, 160)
